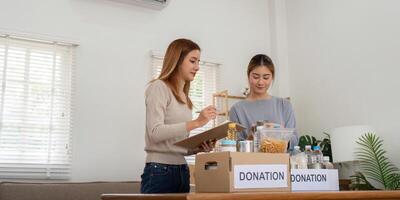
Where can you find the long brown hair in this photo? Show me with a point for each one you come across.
(176, 53)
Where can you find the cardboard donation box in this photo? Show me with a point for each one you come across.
(315, 180)
(242, 172)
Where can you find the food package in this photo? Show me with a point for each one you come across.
(275, 140)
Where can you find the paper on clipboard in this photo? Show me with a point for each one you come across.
(217, 133)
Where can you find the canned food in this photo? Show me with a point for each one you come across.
(245, 146)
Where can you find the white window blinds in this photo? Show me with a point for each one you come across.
(202, 88)
(35, 108)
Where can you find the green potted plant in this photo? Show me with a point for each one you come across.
(374, 165)
(325, 144)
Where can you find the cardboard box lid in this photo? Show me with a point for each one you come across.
(217, 133)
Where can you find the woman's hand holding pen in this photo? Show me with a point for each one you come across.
(207, 114)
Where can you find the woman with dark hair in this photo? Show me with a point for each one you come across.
(169, 119)
(259, 104)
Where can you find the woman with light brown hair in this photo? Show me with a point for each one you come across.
(169, 119)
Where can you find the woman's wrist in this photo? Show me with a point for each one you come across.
(192, 125)
(194, 151)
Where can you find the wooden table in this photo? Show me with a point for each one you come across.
(259, 196)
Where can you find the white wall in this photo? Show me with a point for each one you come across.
(279, 47)
(344, 66)
(113, 64)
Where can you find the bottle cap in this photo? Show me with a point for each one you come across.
(231, 125)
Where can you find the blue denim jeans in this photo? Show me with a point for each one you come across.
(165, 178)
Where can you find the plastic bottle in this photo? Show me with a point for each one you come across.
(317, 159)
(299, 159)
(302, 161)
(257, 138)
(327, 164)
(294, 157)
(295, 151)
(309, 155)
(318, 154)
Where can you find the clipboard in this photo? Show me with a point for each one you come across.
(216, 133)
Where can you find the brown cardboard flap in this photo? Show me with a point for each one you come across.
(257, 158)
(217, 133)
(219, 172)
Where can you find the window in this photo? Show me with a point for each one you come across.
(35, 108)
(201, 92)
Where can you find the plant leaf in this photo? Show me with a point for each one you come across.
(373, 162)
